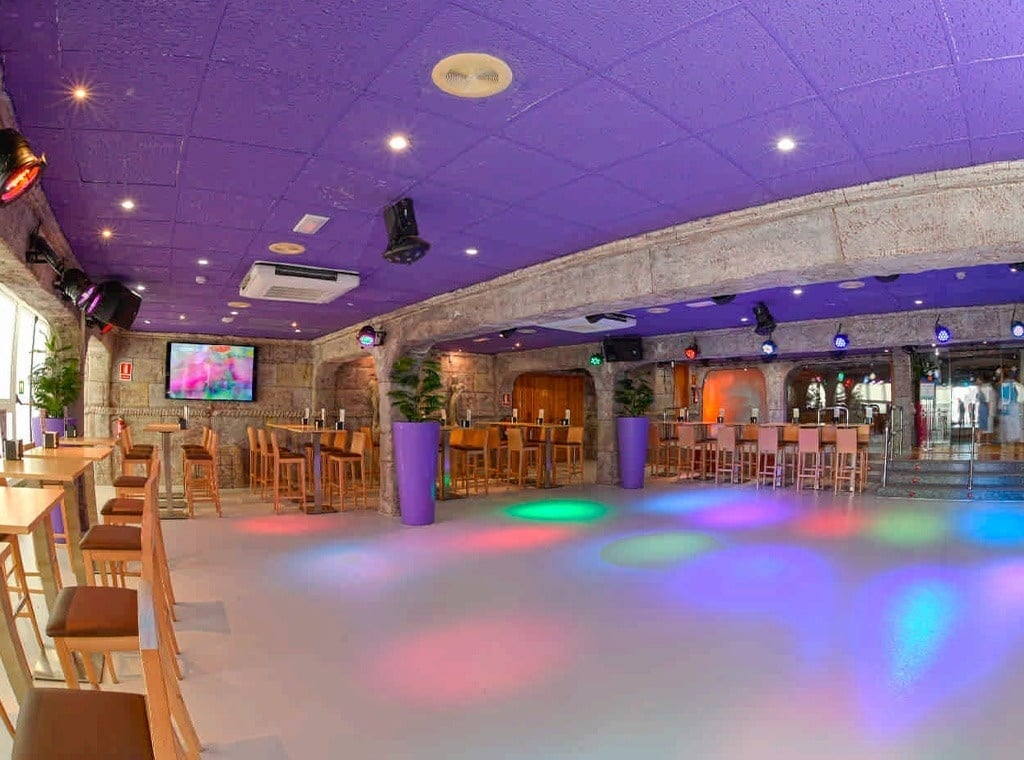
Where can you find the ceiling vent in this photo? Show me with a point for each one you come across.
(471, 75)
(288, 282)
(594, 323)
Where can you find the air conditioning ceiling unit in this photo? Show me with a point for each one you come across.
(291, 282)
(594, 323)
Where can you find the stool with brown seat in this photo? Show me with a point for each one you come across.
(98, 725)
(525, 454)
(847, 461)
(470, 458)
(266, 462)
(254, 458)
(287, 463)
(341, 465)
(200, 472)
(569, 452)
(770, 464)
(726, 461)
(809, 458)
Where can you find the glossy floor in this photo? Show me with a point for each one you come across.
(682, 621)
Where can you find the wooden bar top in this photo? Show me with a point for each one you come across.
(88, 441)
(545, 426)
(303, 428)
(39, 468)
(92, 453)
(21, 509)
(162, 427)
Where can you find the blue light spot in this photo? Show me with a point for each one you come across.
(921, 620)
(993, 527)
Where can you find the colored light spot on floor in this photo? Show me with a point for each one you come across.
(342, 564)
(1002, 586)
(685, 501)
(280, 525)
(831, 524)
(921, 621)
(657, 549)
(908, 528)
(511, 538)
(473, 662)
(559, 510)
(755, 513)
(999, 526)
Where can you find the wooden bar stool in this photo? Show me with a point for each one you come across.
(286, 463)
(103, 725)
(769, 457)
(726, 460)
(200, 471)
(747, 444)
(341, 464)
(266, 462)
(847, 464)
(254, 458)
(16, 583)
(470, 458)
(570, 452)
(808, 460)
(525, 455)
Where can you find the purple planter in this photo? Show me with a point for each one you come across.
(632, 439)
(50, 425)
(416, 468)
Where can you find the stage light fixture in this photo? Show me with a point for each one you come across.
(1018, 267)
(369, 337)
(596, 359)
(508, 333)
(1016, 326)
(769, 347)
(942, 333)
(765, 321)
(887, 277)
(20, 168)
(723, 300)
(405, 246)
(840, 341)
(692, 351)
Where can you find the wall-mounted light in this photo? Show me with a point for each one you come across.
(1016, 326)
(596, 359)
(369, 337)
(508, 333)
(692, 351)
(769, 347)
(20, 168)
(840, 341)
(942, 333)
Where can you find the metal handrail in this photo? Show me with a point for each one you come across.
(974, 451)
(886, 449)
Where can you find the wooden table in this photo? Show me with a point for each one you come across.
(23, 512)
(316, 434)
(166, 430)
(88, 441)
(92, 453)
(68, 473)
(548, 479)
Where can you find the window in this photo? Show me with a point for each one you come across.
(23, 332)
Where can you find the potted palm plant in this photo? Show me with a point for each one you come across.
(416, 390)
(56, 383)
(634, 397)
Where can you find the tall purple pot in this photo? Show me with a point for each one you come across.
(416, 468)
(632, 438)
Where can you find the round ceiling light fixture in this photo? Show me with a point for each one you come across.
(471, 75)
(658, 310)
(851, 284)
(239, 304)
(786, 144)
(287, 249)
(398, 143)
(20, 168)
(692, 351)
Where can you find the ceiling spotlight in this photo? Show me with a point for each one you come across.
(887, 277)
(140, 287)
(398, 143)
(942, 333)
(508, 333)
(79, 93)
(918, 302)
(797, 291)
(765, 321)
(146, 321)
(405, 246)
(181, 317)
(1016, 326)
(722, 300)
(786, 144)
(76, 286)
(369, 337)
(692, 351)
(840, 341)
(127, 204)
(234, 314)
(744, 319)
(769, 347)
(20, 168)
(1018, 267)
(203, 262)
(472, 251)
(106, 233)
(596, 359)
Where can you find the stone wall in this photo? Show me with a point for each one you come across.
(284, 382)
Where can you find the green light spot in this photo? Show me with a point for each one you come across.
(908, 528)
(559, 510)
(656, 549)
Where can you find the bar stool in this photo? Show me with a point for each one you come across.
(726, 460)
(341, 464)
(284, 462)
(847, 464)
(16, 582)
(692, 450)
(769, 462)
(497, 441)
(132, 458)
(571, 453)
(809, 457)
(470, 457)
(653, 449)
(747, 444)
(200, 471)
(864, 453)
(254, 458)
(524, 453)
(828, 450)
(371, 455)
(790, 450)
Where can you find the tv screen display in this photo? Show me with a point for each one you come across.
(211, 372)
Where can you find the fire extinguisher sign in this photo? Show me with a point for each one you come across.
(125, 371)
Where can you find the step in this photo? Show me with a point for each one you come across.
(952, 493)
(987, 466)
(953, 479)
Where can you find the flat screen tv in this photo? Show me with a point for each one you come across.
(211, 372)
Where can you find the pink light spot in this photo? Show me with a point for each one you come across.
(754, 514)
(831, 524)
(278, 525)
(512, 538)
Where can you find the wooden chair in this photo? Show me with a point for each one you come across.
(266, 457)
(524, 454)
(133, 458)
(134, 486)
(471, 458)
(99, 725)
(254, 459)
(284, 463)
(569, 452)
(16, 583)
(747, 444)
(726, 459)
(341, 465)
(200, 472)
(694, 451)
(847, 464)
(769, 457)
(809, 458)
(863, 452)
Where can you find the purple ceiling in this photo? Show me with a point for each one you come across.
(935, 290)
(226, 120)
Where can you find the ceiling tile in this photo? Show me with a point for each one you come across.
(208, 207)
(337, 185)
(1008, 147)
(349, 227)
(27, 25)
(592, 125)
(922, 159)
(894, 114)
(210, 238)
(85, 200)
(37, 88)
(235, 168)
(592, 200)
(127, 232)
(839, 46)
(715, 72)
(808, 181)
(60, 154)
(751, 143)
(545, 235)
(437, 206)
(992, 96)
(982, 31)
(113, 156)
(185, 29)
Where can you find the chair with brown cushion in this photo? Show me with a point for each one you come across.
(289, 474)
(127, 506)
(344, 464)
(470, 458)
(200, 472)
(525, 454)
(570, 453)
(100, 725)
(254, 458)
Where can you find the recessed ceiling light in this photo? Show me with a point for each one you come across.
(239, 304)
(480, 340)
(140, 287)
(527, 330)
(310, 224)
(918, 302)
(797, 291)
(287, 249)
(203, 262)
(297, 330)
(79, 93)
(200, 279)
(786, 144)
(700, 304)
(234, 314)
(146, 321)
(227, 320)
(181, 317)
(471, 75)
(744, 319)
(127, 204)
(658, 310)
(295, 324)
(106, 233)
(398, 143)
(472, 251)
(518, 345)
(961, 275)
(851, 284)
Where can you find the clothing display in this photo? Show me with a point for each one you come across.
(1011, 394)
(984, 405)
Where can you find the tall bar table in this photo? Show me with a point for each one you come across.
(170, 509)
(548, 481)
(89, 453)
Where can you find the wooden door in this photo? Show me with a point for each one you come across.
(554, 394)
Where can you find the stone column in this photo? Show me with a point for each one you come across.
(775, 374)
(383, 359)
(903, 396)
(607, 460)
(96, 403)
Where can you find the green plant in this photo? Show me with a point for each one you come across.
(416, 387)
(634, 396)
(57, 380)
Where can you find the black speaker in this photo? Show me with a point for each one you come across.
(113, 304)
(405, 246)
(624, 348)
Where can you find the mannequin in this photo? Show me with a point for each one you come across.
(983, 400)
(1011, 395)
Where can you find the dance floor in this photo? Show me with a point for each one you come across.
(681, 621)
